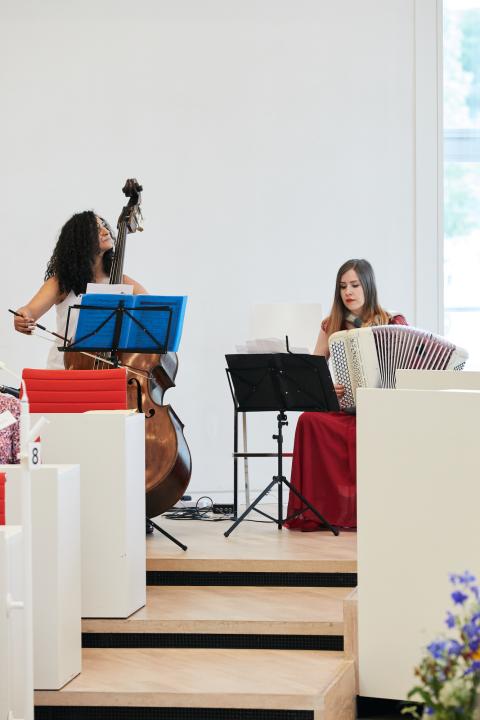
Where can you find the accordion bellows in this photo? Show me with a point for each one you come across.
(369, 357)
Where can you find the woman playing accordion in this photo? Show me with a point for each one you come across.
(324, 455)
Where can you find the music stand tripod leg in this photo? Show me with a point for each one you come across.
(170, 537)
(310, 507)
(251, 507)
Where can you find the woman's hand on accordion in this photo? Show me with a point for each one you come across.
(339, 391)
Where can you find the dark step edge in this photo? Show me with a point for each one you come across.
(383, 708)
(164, 713)
(212, 640)
(253, 579)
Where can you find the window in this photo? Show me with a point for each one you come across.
(461, 112)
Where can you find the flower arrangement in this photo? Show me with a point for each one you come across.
(449, 673)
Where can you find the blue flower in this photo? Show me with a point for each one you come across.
(467, 578)
(454, 578)
(471, 630)
(450, 621)
(459, 597)
(437, 648)
(475, 666)
(428, 710)
(454, 647)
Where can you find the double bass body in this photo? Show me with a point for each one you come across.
(168, 463)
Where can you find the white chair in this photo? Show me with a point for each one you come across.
(301, 323)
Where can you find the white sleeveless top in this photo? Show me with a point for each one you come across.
(55, 358)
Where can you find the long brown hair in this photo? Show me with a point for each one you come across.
(372, 312)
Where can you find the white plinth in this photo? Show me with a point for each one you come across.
(13, 679)
(418, 501)
(110, 449)
(56, 589)
(437, 380)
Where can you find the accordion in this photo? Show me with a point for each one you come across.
(369, 357)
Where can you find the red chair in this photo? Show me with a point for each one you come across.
(75, 391)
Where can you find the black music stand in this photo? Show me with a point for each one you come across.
(106, 337)
(279, 382)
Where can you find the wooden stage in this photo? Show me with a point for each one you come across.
(257, 625)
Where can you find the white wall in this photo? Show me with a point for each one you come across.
(274, 140)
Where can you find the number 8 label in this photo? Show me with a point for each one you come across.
(34, 456)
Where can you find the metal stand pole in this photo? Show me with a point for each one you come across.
(245, 459)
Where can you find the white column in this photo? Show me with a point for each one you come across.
(110, 449)
(14, 677)
(418, 500)
(56, 577)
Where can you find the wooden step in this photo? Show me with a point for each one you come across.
(252, 547)
(233, 610)
(322, 682)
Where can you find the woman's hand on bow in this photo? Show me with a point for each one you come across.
(23, 323)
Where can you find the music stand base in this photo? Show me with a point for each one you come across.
(164, 532)
(279, 520)
(279, 480)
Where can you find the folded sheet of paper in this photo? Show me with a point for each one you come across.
(107, 289)
(120, 411)
(268, 345)
(7, 419)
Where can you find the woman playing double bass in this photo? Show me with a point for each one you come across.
(83, 253)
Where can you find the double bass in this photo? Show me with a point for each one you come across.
(168, 463)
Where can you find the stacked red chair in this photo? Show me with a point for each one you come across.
(75, 391)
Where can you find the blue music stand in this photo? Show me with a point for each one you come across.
(127, 323)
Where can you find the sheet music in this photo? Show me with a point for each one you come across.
(107, 289)
(267, 345)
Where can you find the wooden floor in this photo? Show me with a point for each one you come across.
(202, 678)
(252, 547)
(321, 682)
(250, 610)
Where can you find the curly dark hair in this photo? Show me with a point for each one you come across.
(74, 254)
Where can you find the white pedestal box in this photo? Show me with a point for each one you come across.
(13, 692)
(418, 516)
(437, 380)
(110, 449)
(56, 570)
